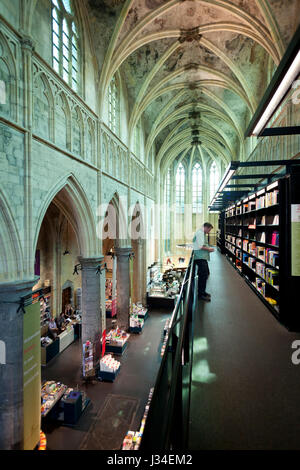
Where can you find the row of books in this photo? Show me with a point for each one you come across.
(270, 275)
(270, 238)
(264, 200)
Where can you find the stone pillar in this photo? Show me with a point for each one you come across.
(91, 301)
(141, 277)
(123, 286)
(11, 365)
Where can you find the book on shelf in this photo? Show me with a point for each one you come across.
(275, 238)
(272, 277)
(272, 219)
(260, 269)
(260, 285)
(252, 248)
(272, 198)
(260, 253)
(272, 257)
(245, 258)
(260, 202)
(261, 237)
(252, 205)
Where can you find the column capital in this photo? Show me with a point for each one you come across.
(90, 263)
(123, 251)
(13, 291)
(27, 43)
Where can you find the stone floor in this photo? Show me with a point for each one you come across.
(245, 392)
(115, 407)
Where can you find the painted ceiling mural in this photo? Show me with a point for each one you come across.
(195, 70)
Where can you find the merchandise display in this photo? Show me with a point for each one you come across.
(43, 441)
(116, 341)
(62, 403)
(132, 439)
(110, 302)
(88, 359)
(165, 285)
(139, 310)
(136, 324)
(109, 364)
(45, 341)
(109, 368)
(51, 393)
(45, 310)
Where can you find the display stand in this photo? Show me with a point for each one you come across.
(49, 352)
(109, 368)
(116, 341)
(88, 360)
(63, 404)
(51, 393)
(116, 349)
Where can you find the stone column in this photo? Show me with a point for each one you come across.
(11, 364)
(123, 286)
(91, 301)
(141, 287)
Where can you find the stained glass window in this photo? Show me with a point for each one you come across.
(65, 43)
(180, 180)
(197, 188)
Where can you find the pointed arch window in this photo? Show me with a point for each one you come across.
(197, 188)
(167, 210)
(214, 179)
(168, 188)
(180, 182)
(65, 43)
(113, 106)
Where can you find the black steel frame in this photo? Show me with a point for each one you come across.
(167, 424)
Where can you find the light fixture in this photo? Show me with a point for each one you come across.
(283, 79)
(66, 252)
(279, 94)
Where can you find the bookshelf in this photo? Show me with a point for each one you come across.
(221, 233)
(257, 232)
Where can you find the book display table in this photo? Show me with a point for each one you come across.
(116, 341)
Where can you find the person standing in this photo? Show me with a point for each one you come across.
(202, 252)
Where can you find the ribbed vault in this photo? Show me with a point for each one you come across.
(195, 69)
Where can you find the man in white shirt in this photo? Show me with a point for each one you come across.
(202, 252)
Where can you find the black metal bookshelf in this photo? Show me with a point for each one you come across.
(261, 223)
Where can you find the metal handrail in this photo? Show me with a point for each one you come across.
(167, 409)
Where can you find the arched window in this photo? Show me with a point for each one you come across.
(167, 210)
(213, 180)
(65, 42)
(180, 176)
(168, 188)
(197, 188)
(113, 106)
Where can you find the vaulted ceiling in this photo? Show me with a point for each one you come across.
(195, 70)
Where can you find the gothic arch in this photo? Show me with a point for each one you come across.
(69, 196)
(11, 255)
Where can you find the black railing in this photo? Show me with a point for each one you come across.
(167, 424)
